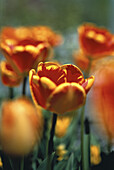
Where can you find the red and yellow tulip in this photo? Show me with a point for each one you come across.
(22, 50)
(58, 88)
(95, 42)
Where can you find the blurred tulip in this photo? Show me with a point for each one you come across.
(43, 33)
(95, 155)
(61, 152)
(21, 126)
(102, 97)
(8, 76)
(58, 88)
(1, 164)
(62, 124)
(95, 42)
(22, 50)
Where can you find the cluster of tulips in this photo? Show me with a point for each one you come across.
(57, 90)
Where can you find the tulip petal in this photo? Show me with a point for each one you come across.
(40, 88)
(8, 76)
(88, 83)
(66, 97)
(52, 71)
(73, 73)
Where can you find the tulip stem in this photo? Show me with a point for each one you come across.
(109, 145)
(22, 164)
(82, 138)
(11, 95)
(11, 163)
(24, 86)
(89, 68)
(50, 143)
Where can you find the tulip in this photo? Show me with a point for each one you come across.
(21, 126)
(103, 97)
(95, 155)
(60, 130)
(21, 49)
(58, 88)
(95, 42)
(8, 76)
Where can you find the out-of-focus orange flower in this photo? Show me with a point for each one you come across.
(95, 154)
(21, 126)
(43, 33)
(61, 152)
(95, 42)
(102, 97)
(8, 76)
(58, 88)
(22, 50)
(62, 125)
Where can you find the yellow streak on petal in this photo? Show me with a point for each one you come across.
(66, 97)
(48, 65)
(90, 34)
(10, 42)
(31, 49)
(47, 83)
(18, 49)
(5, 48)
(32, 73)
(35, 79)
(90, 83)
(100, 38)
(5, 70)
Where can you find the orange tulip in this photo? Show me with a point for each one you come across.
(95, 42)
(8, 76)
(21, 126)
(21, 49)
(103, 97)
(58, 88)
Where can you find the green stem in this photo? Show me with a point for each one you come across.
(89, 68)
(50, 143)
(24, 86)
(22, 164)
(11, 95)
(109, 145)
(87, 145)
(82, 138)
(11, 163)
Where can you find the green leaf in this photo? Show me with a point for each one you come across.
(70, 162)
(60, 165)
(43, 165)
